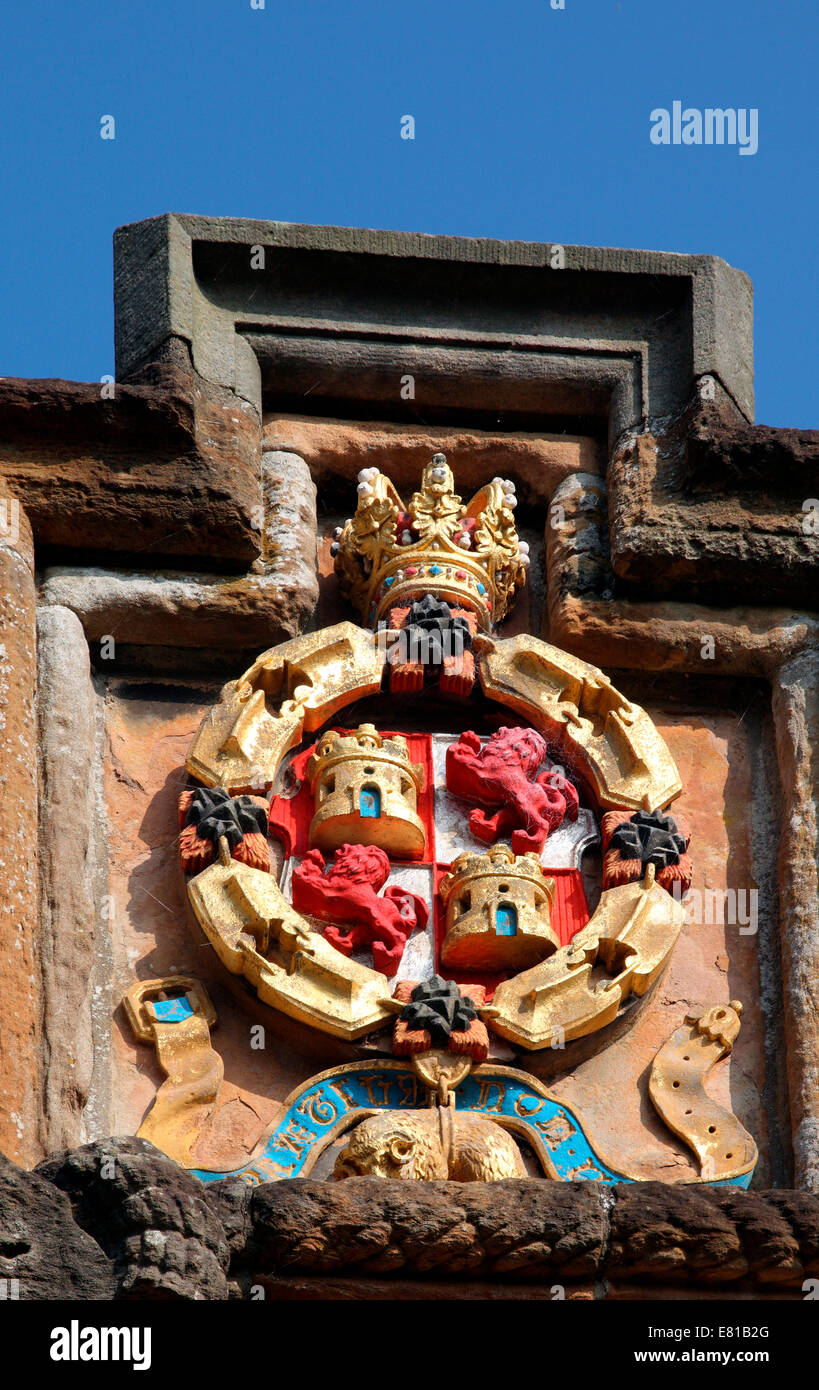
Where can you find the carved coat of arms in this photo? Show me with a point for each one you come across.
(383, 840)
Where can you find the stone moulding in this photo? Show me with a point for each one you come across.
(185, 279)
(73, 947)
(646, 1236)
(181, 609)
(673, 536)
(166, 469)
(23, 993)
(272, 601)
(153, 1230)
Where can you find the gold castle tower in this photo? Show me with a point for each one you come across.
(498, 911)
(365, 792)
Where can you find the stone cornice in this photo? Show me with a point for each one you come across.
(164, 1234)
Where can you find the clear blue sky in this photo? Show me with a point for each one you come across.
(530, 123)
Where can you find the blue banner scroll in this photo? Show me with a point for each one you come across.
(329, 1104)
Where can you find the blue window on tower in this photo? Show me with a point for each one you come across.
(370, 801)
(506, 919)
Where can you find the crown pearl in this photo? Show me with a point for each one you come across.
(337, 533)
(523, 547)
(406, 538)
(464, 540)
(334, 549)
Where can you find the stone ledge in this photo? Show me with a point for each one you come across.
(335, 450)
(712, 510)
(651, 634)
(148, 1229)
(726, 454)
(183, 279)
(570, 1233)
(184, 610)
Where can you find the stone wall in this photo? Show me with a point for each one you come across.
(170, 531)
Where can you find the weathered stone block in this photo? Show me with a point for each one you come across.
(41, 1246)
(167, 468)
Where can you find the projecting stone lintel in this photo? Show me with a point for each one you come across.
(376, 1238)
(201, 281)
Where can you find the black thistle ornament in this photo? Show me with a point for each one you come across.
(215, 813)
(432, 625)
(438, 1006)
(650, 837)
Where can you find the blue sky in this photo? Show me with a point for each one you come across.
(531, 123)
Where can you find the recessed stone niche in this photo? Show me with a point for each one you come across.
(718, 732)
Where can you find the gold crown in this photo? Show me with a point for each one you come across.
(470, 556)
(498, 911)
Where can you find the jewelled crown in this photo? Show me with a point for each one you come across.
(469, 555)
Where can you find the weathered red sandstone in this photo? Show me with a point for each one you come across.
(20, 975)
(169, 467)
(145, 1228)
(173, 518)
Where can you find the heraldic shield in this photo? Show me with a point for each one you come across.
(385, 840)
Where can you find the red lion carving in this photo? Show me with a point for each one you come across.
(504, 773)
(348, 892)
